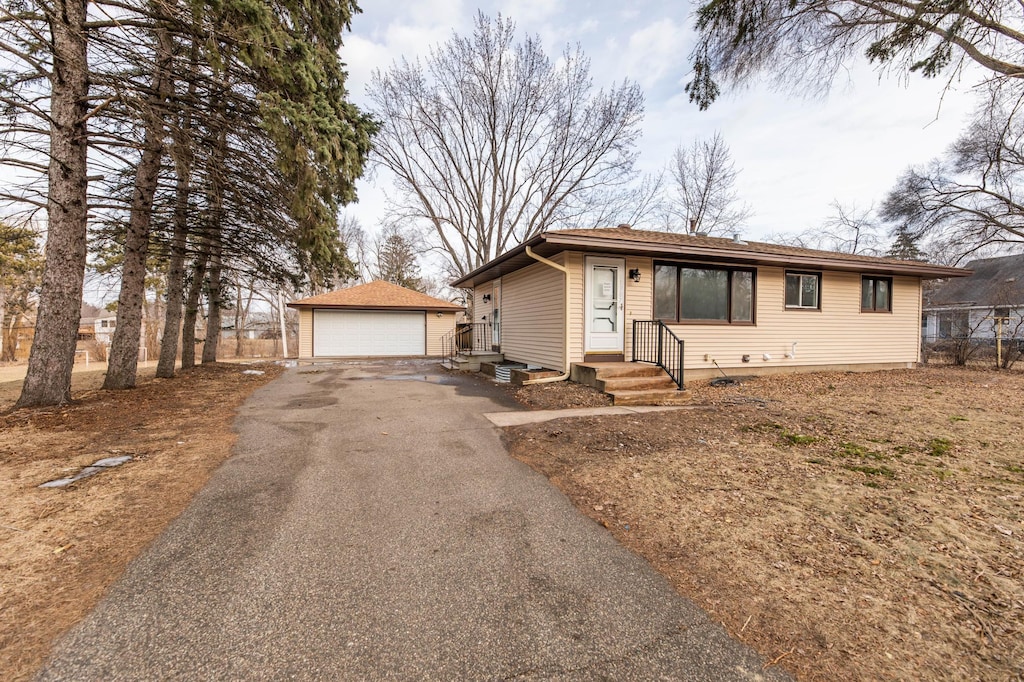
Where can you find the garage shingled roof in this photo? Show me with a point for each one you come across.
(375, 295)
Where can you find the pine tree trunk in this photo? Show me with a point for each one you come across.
(175, 278)
(215, 201)
(123, 361)
(3, 313)
(48, 381)
(239, 331)
(181, 151)
(188, 323)
(215, 302)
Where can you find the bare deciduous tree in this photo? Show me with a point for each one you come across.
(847, 229)
(490, 142)
(804, 44)
(973, 196)
(703, 195)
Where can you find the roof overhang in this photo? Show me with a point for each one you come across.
(548, 244)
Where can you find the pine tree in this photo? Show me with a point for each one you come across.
(904, 246)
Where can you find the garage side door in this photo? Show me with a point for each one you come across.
(340, 333)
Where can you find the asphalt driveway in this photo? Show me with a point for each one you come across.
(371, 526)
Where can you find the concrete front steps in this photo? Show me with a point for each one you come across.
(630, 383)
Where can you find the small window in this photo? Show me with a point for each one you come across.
(803, 290)
(693, 293)
(876, 294)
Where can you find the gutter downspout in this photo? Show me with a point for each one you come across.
(565, 354)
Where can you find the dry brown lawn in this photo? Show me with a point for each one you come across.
(60, 549)
(850, 526)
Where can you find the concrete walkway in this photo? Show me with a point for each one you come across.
(371, 526)
(519, 418)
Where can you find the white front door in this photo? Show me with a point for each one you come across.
(605, 284)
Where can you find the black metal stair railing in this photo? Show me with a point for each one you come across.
(467, 337)
(655, 343)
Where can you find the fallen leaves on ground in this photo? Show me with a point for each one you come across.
(62, 548)
(850, 526)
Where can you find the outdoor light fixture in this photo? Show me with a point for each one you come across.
(487, 297)
(634, 274)
(440, 314)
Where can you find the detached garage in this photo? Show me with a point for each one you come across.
(378, 319)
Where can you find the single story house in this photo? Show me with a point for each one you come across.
(987, 303)
(572, 296)
(377, 319)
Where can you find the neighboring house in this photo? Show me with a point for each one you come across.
(103, 329)
(378, 319)
(253, 330)
(970, 307)
(574, 296)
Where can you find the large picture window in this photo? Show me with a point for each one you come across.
(876, 294)
(803, 290)
(696, 293)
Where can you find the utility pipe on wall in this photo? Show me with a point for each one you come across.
(565, 353)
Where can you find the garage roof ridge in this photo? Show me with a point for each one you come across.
(376, 295)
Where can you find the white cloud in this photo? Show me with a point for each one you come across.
(652, 52)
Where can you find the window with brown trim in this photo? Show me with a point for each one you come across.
(803, 290)
(875, 294)
(703, 294)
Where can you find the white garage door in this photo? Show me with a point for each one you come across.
(340, 333)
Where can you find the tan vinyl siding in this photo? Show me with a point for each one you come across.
(305, 333)
(532, 312)
(438, 327)
(574, 262)
(838, 334)
(482, 309)
(639, 301)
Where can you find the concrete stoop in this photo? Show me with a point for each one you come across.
(630, 383)
(471, 361)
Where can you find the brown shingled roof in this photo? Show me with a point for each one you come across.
(625, 240)
(376, 295)
(626, 234)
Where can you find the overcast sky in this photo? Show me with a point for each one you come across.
(796, 155)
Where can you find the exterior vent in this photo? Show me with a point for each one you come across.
(625, 226)
(736, 238)
(503, 371)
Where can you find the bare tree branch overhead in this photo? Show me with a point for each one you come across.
(803, 44)
(490, 141)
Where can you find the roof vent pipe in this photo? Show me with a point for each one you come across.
(625, 226)
(736, 238)
(693, 225)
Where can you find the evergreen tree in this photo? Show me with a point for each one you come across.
(904, 246)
